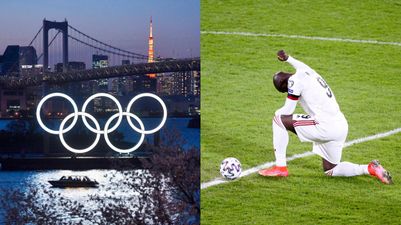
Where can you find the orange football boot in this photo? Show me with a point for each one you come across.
(377, 170)
(275, 171)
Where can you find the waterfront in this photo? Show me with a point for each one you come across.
(31, 181)
(111, 181)
(190, 136)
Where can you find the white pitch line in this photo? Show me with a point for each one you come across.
(255, 169)
(302, 37)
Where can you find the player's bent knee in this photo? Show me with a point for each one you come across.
(288, 122)
(328, 166)
(277, 121)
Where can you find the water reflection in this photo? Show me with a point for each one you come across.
(21, 179)
(111, 186)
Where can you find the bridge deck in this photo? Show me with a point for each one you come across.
(14, 82)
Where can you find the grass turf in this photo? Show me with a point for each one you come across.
(239, 100)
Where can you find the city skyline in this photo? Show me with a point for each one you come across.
(90, 47)
(127, 27)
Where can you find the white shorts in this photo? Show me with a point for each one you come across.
(328, 136)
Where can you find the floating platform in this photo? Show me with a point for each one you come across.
(71, 163)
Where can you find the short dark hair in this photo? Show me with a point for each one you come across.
(280, 81)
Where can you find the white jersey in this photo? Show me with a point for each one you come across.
(315, 96)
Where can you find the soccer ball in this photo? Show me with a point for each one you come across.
(230, 168)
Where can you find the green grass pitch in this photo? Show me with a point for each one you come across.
(239, 100)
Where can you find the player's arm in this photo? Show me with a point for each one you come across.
(298, 65)
(294, 92)
(289, 106)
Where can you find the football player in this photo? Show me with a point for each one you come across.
(324, 124)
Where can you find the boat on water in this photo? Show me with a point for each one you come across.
(74, 181)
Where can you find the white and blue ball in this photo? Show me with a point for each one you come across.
(230, 168)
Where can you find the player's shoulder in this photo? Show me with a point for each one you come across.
(299, 76)
(295, 84)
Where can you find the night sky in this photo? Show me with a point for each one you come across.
(121, 23)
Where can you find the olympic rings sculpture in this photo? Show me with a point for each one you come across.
(62, 130)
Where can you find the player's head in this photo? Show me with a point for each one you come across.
(280, 81)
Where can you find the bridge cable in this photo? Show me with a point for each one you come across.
(100, 42)
(30, 43)
(108, 51)
(35, 36)
(50, 43)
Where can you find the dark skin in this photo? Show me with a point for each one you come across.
(287, 120)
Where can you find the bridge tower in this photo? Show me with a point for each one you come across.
(150, 51)
(63, 27)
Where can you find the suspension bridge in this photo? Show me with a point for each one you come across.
(17, 82)
(80, 46)
(61, 54)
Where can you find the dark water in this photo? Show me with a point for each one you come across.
(190, 136)
(18, 179)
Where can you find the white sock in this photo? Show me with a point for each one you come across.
(347, 169)
(280, 141)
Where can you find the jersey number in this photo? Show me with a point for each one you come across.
(324, 85)
(303, 116)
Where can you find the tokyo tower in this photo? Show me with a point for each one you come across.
(150, 51)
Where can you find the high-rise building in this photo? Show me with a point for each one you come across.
(16, 57)
(186, 83)
(72, 66)
(115, 85)
(195, 83)
(165, 84)
(12, 101)
(27, 55)
(142, 83)
(125, 82)
(75, 89)
(100, 61)
(16, 61)
(101, 85)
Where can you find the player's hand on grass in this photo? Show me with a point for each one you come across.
(282, 56)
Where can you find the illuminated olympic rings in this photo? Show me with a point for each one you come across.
(62, 130)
